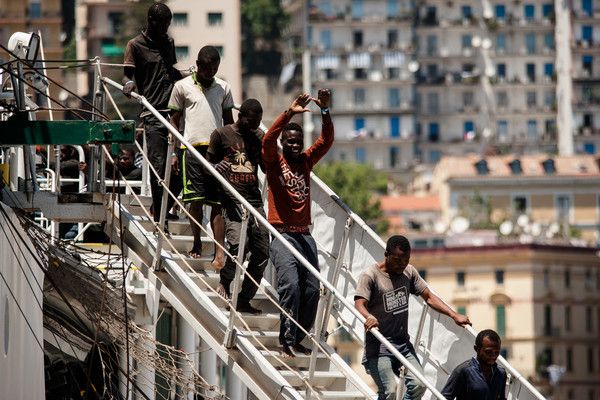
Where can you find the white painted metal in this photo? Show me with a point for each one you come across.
(564, 84)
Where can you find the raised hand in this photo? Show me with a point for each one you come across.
(299, 104)
(323, 99)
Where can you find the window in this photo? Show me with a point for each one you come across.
(221, 50)
(360, 155)
(466, 41)
(434, 156)
(359, 96)
(548, 70)
(215, 18)
(434, 132)
(432, 45)
(461, 310)
(532, 132)
(393, 73)
(460, 278)
(549, 41)
(467, 98)
(531, 98)
(501, 42)
(392, 38)
(326, 8)
(520, 204)
(587, 33)
(35, 9)
(567, 278)
(502, 130)
(547, 320)
(529, 11)
(180, 19)
(588, 319)
(587, 8)
(482, 167)
(546, 278)
(502, 99)
(563, 208)
(547, 10)
(590, 360)
(433, 104)
(394, 97)
(115, 23)
(359, 123)
(499, 276)
(530, 72)
(501, 320)
(394, 153)
(504, 352)
(357, 38)
(530, 43)
(587, 63)
(500, 11)
(468, 129)
(568, 318)
(589, 281)
(549, 167)
(395, 126)
(569, 357)
(182, 52)
(501, 70)
(326, 39)
(466, 12)
(392, 8)
(549, 98)
(357, 9)
(360, 73)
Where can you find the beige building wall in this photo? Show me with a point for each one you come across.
(216, 23)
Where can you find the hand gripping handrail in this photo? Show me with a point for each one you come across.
(276, 234)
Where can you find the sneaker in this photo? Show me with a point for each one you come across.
(172, 217)
(244, 306)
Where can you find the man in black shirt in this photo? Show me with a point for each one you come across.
(235, 149)
(149, 69)
(479, 378)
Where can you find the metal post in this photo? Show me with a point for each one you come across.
(229, 334)
(400, 386)
(421, 324)
(163, 207)
(307, 123)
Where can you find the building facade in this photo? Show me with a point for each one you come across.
(414, 82)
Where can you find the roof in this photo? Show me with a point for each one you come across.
(395, 204)
(531, 166)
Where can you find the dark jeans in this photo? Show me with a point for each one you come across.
(157, 143)
(298, 289)
(257, 243)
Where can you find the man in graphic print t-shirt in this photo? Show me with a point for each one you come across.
(382, 296)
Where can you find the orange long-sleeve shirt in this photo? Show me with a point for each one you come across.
(289, 181)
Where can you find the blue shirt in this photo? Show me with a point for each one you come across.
(467, 382)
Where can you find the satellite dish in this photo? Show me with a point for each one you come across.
(459, 225)
(413, 66)
(536, 229)
(523, 220)
(439, 227)
(506, 228)
(476, 41)
(554, 228)
(24, 45)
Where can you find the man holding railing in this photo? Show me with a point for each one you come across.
(149, 69)
(235, 150)
(288, 175)
(382, 296)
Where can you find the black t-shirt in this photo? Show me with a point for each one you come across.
(154, 74)
(242, 151)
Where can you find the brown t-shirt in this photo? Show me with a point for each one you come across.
(387, 298)
(289, 182)
(242, 151)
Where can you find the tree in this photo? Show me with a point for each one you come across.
(357, 185)
(263, 22)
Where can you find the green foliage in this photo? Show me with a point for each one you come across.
(263, 22)
(478, 210)
(356, 185)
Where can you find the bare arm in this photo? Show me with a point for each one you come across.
(437, 304)
(360, 303)
(228, 116)
(128, 82)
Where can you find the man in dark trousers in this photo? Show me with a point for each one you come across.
(149, 70)
(235, 150)
(382, 295)
(288, 175)
(479, 378)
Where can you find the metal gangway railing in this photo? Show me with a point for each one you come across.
(348, 316)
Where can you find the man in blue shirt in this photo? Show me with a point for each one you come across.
(479, 378)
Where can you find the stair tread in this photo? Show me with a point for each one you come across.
(318, 374)
(336, 394)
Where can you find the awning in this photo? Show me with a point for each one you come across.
(328, 61)
(359, 60)
(111, 50)
(287, 73)
(393, 59)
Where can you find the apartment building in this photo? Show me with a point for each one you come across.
(551, 190)
(473, 82)
(199, 23)
(362, 51)
(541, 299)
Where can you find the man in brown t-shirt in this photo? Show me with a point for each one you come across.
(382, 296)
(288, 175)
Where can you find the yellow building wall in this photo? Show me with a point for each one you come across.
(542, 208)
(586, 208)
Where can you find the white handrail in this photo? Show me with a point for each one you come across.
(276, 234)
